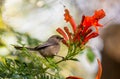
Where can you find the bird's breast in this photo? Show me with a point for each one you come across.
(50, 50)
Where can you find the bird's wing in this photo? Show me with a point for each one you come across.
(44, 45)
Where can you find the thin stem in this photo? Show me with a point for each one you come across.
(62, 60)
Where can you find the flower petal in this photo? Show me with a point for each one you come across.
(88, 20)
(83, 18)
(87, 32)
(73, 77)
(99, 14)
(59, 30)
(99, 70)
(65, 42)
(69, 18)
(67, 15)
(68, 33)
(76, 37)
(93, 20)
(92, 35)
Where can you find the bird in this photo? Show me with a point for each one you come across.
(50, 48)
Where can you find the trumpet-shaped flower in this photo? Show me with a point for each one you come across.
(83, 32)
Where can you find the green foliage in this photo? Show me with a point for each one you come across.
(23, 64)
(2, 31)
(28, 65)
(90, 55)
(73, 50)
(2, 44)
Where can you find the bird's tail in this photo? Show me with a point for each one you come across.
(20, 48)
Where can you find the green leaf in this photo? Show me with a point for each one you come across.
(74, 59)
(90, 55)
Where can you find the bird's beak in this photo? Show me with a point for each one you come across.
(61, 38)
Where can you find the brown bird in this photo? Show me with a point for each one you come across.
(48, 49)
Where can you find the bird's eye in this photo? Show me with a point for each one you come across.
(57, 37)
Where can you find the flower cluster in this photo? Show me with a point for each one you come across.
(82, 32)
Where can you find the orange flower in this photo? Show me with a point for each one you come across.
(62, 33)
(59, 30)
(69, 18)
(73, 77)
(99, 70)
(83, 32)
(99, 14)
(92, 35)
(93, 20)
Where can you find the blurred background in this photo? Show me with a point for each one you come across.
(40, 18)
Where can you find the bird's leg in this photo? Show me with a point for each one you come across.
(59, 56)
(46, 59)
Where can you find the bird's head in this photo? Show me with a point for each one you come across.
(56, 38)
